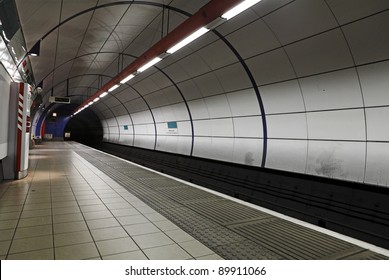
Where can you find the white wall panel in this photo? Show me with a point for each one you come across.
(377, 165)
(202, 147)
(288, 155)
(198, 109)
(4, 112)
(144, 141)
(287, 126)
(218, 106)
(271, 67)
(124, 120)
(142, 117)
(114, 138)
(217, 55)
(260, 36)
(190, 90)
(222, 127)
(375, 83)
(243, 103)
(176, 112)
(247, 151)
(368, 38)
(325, 52)
(248, 127)
(300, 19)
(202, 128)
(233, 77)
(144, 129)
(377, 124)
(126, 139)
(221, 149)
(113, 130)
(336, 90)
(127, 131)
(283, 97)
(112, 122)
(184, 128)
(337, 125)
(339, 160)
(184, 145)
(208, 84)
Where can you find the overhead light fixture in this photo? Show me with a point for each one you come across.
(113, 88)
(90, 103)
(35, 50)
(188, 40)
(54, 114)
(103, 94)
(239, 8)
(149, 64)
(96, 99)
(125, 80)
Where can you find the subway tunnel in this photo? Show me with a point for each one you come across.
(282, 109)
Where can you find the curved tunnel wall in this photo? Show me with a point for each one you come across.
(321, 71)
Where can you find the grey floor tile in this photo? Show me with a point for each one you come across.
(146, 210)
(85, 202)
(36, 213)
(87, 197)
(108, 233)
(9, 216)
(114, 200)
(37, 221)
(6, 209)
(6, 234)
(70, 227)
(37, 206)
(115, 206)
(11, 202)
(125, 212)
(46, 254)
(115, 246)
(4, 246)
(8, 224)
(97, 215)
(66, 210)
(72, 238)
(196, 248)
(169, 252)
(31, 244)
(132, 220)
(210, 257)
(152, 240)
(166, 225)
(36, 201)
(25, 232)
(64, 204)
(135, 255)
(93, 208)
(76, 217)
(103, 223)
(154, 217)
(178, 235)
(140, 229)
(76, 252)
(63, 198)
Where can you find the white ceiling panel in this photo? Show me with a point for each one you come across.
(368, 38)
(253, 39)
(325, 52)
(300, 19)
(271, 67)
(350, 10)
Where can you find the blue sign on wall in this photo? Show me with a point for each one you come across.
(172, 125)
(126, 127)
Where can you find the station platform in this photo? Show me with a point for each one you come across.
(80, 203)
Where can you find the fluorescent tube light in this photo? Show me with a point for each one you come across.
(239, 8)
(90, 103)
(127, 79)
(149, 64)
(103, 94)
(188, 39)
(96, 99)
(113, 88)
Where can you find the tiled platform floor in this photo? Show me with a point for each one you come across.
(67, 209)
(79, 203)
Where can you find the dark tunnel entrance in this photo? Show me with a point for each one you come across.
(84, 128)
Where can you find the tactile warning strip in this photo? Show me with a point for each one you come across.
(231, 230)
